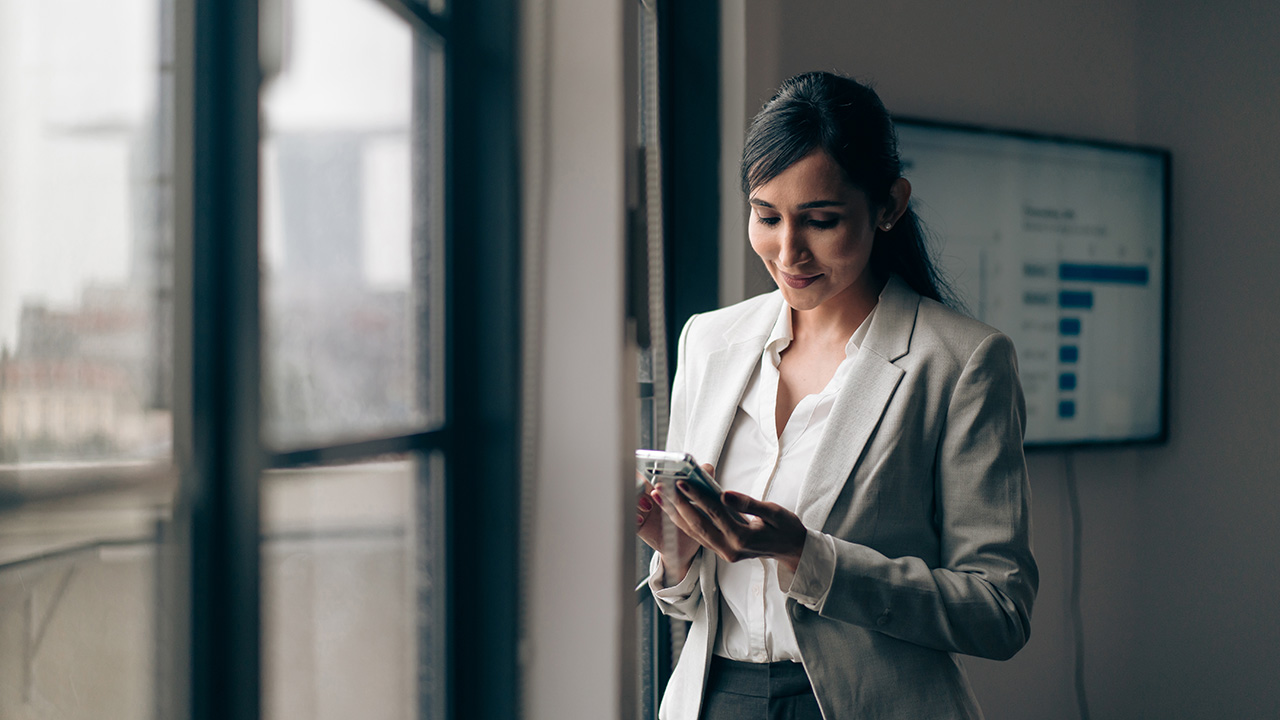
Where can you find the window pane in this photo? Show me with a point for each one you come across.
(339, 563)
(85, 232)
(349, 177)
(78, 606)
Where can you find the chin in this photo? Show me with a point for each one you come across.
(802, 299)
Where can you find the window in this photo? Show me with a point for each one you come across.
(257, 452)
(680, 136)
(86, 340)
(351, 239)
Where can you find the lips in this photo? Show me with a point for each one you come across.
(799, 282)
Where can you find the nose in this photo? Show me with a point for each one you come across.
(793, 249)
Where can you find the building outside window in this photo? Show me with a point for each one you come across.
(125, 495)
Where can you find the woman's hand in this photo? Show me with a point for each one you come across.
(652, 529)
(765, 530)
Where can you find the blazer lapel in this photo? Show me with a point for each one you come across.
(724, 379)
(861, 403)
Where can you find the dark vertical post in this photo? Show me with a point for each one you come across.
(219, 502)
(689, 65)
(482, 492)
(689, 70)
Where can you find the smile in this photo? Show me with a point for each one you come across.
(799, 281)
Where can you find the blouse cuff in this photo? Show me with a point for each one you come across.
(679, 591)
(814, 574)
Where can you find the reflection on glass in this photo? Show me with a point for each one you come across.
(340, 160)
(339, 592)
(85, 340)
(85, 238)
(78, 606)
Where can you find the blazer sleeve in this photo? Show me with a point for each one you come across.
(978, 600)
(682, 600)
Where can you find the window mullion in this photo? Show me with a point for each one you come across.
(216, 205)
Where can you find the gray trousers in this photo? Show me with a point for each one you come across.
(758, 691)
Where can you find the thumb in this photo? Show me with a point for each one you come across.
(751, 506)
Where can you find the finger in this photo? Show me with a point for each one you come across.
(665, 498)
(747, 504)
(644, 509)
(728, 534)
(661, 495)
(771, 513)
(692, 521)
(643, 487)
(679, 508)
(713, 505)
(695, 492)
(709, 469)
(712, 527)
(643, 504)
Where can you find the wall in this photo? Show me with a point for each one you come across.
(1178, 540)
(1210, 634)
(578, 605)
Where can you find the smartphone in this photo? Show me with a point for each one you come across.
(661, 468)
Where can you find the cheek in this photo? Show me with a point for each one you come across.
(857, 248)
(759, 242)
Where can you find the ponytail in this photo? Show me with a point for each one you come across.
(903, 250)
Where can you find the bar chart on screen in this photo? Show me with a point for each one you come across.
(1060, 245)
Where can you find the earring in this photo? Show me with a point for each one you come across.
(887, 227)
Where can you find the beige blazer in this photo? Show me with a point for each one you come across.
(919, 477)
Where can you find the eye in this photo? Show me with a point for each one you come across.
(770, 221)
(823, 224)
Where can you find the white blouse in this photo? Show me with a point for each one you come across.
(754, 625)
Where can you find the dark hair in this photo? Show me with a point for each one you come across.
(846, 120)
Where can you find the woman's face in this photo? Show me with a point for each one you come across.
(814, 231)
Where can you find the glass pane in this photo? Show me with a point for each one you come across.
(350, 176)
(85, 232)
(340, 560)
(78, 606)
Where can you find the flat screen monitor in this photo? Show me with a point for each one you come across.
(1063, 246)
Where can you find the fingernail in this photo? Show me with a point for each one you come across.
(645, 503)
(684, 486)
(658, 499)
(639, 519)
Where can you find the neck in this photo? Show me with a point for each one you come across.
(839, 317)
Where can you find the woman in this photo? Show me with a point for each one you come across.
(871, 435)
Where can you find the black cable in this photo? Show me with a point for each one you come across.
(1077, 614)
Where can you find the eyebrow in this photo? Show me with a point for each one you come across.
(805, 206)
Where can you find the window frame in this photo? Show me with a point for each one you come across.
(689, 99)
(213, 578)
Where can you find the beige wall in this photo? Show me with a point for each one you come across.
(578, 535)
(1180, 540)
(1209, 642)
